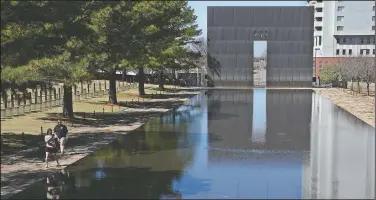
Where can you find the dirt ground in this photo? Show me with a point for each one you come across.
(22, 160)
(360, 105)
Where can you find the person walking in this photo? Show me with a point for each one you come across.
(62, 133)
(51, 146)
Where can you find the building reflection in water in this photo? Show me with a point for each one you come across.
(331, 153)
(342, 163)
(260, 140)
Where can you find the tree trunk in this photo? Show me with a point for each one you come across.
(358, 87)
(4, 95)
(367, 88)
(161, 80)
(141, 81)
(124, 77)
(174, 76)
(344, 84)
(352, 85)
(112, 90)
(67, 102)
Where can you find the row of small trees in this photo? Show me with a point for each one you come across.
(355, 69)
(71, 41)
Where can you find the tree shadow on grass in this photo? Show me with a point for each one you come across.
(151, 104)
(102, 120)
(168, 96)
(12, 143)
(179, 90)
(138, 104)
(122, 115)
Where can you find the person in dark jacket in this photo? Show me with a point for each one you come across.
(62, 133)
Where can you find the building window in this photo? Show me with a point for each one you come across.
(340, 18)
(373, 18)
(339, 28)
(343, 51)
(326, 62)
(367, 51)
(319, 19)
(373, 8)
(337, 39)
(319, 40)
(350, 52)
(373, 28)
(340, 8)
(344, 40)
(320, 62)
(373, 51)
(337, 52)
(318, 28)
(368, 40)
(361, 51)
(361, 41)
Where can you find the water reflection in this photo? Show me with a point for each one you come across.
(58, 184)
(259, 116)
(231, 144)
(342, 154)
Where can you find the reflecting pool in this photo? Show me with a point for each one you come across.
(261, 143)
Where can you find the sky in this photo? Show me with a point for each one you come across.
(200, 8)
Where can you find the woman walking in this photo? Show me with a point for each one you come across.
(51, 146)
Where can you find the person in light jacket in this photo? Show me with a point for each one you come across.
(51, 146)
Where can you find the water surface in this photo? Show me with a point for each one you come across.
(231, 144)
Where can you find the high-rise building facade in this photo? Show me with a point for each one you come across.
(342, 29)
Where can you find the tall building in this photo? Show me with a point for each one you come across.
(342, 29)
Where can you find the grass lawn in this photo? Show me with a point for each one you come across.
(106, 115)
(32, 123)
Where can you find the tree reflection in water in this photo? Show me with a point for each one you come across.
(141, 164)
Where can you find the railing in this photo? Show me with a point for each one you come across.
(259, 84)
(43, 102)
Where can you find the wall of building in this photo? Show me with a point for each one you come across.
(321, 62)
(287, 30)
(356, 18)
